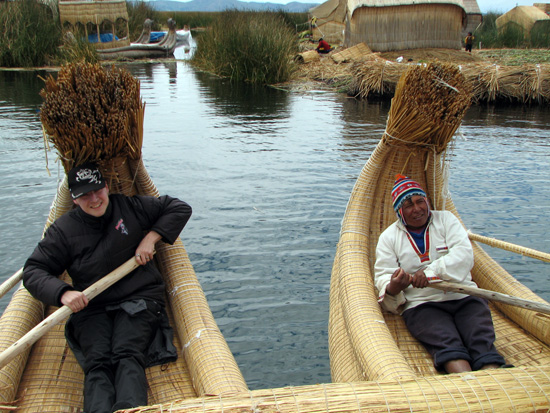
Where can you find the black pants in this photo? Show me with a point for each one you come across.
(114, 344)
(456, 329)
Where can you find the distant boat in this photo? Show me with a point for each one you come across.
(144, 47)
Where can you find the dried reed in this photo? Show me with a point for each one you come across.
(375, 76)
(428, 106)
(93, 114)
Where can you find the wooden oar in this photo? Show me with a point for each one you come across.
(492, 295)
(59, 315)
(518, 249)
(11, 282)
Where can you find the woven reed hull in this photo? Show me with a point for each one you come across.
(366, 344)
(528, 389)
(48, 378)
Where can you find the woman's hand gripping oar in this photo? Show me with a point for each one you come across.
(491, 295)
(59, 315)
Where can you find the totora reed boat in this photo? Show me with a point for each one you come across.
(376, 365)
(367, 344)
(46, 377)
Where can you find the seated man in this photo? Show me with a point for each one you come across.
(424, 245)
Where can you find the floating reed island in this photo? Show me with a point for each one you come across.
(374, 76)
(370, 75)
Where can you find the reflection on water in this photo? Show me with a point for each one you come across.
(268, 174)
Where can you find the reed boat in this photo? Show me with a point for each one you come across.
(367, 344)
(144, 48)
(45, 376)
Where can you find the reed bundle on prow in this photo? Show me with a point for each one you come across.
(96, 114)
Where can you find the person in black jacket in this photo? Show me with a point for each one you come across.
(125, 328)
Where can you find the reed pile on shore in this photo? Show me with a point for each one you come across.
(375, 76)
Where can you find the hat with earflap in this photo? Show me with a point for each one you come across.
(403, 189)
(85, 178)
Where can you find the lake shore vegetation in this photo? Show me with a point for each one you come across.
(249, 46)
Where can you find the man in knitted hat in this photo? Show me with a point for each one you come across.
(423, 246)
(125, 329)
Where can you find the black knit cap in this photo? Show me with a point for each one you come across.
(85, 178)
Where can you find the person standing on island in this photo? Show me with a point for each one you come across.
(125, 329)
(423, 246)
(468, 42)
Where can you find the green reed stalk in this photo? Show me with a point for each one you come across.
(30, 34)
(255, 47)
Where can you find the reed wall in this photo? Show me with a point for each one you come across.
(332, 32)
(406, 27)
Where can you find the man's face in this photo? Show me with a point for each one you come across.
(94, 203)
(415, 211)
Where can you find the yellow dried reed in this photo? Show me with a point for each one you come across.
(93, 114)
(428, 106)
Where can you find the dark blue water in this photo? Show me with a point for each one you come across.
(268, 174)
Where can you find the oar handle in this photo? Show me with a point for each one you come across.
(59, 315)
(492, 295)
(11, 282)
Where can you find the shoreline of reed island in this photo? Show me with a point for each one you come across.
(520, 76)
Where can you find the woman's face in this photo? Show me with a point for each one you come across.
(94, 203)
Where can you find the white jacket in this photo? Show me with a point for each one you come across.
(451, 258)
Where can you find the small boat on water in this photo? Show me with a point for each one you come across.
(145, 47)
(45, 376)
(367, 344)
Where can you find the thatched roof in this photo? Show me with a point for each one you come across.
(92, 11)
(331, 10)
(471, 7)
(355, 4)
(545, 7)
(524, 16)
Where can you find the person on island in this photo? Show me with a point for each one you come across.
(323, 46)
(423, 246)
(125, 329)
(468, 42)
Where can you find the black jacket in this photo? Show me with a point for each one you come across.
(89, 248)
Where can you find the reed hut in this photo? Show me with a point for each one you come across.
(545, 7)
(525, 18)
(386, 25)
(108, 19)
(329, 20)
(474, 18)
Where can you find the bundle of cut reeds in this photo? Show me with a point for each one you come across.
(93, 114)
(374, 75)
(428, 106)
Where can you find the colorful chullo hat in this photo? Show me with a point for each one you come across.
(403, 189)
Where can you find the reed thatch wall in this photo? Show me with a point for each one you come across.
(406, 27)
(332, 32)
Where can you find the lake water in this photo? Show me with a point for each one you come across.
(268, 174)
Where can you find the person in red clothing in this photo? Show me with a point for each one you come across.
(323, 47)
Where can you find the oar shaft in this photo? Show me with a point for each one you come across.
(59, 315)
(492, 295)
(10, 282)
(518, 249)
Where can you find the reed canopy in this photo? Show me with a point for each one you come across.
(99, 17)
(329, 21)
